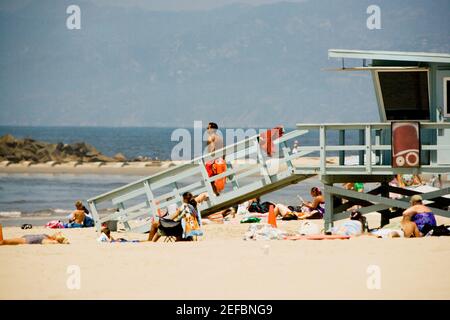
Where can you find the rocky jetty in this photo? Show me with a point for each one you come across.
(16, 150)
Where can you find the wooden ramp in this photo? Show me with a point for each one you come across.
(250, 173)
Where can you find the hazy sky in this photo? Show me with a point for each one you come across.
(183, 4)
(252, 63)
(160, 5)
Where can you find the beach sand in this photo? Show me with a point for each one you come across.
(223, 266)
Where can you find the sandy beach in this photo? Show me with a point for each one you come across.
(122, 168)
(224, 266)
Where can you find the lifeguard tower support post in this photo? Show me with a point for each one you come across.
(409, 87)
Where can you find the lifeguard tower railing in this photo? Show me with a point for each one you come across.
(251, 173)
(369, 160)
(372, 157)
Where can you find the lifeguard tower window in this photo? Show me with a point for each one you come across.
(405, 94)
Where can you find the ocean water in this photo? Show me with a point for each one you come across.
(132, 142)
(26, 197)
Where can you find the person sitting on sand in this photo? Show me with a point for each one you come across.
(56, 238)
(412, 223)
(188, 212)
(88, 221)
(77, 217)
(105, 235)
(420, 214)
(308, 210)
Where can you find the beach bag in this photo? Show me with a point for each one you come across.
(436, 231)
(296, 208)
(260, 207)
(190, 219)
(191, 226)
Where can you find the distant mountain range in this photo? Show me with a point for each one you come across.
(238, 65)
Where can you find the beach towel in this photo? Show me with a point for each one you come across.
(104, 238)
(54, 224)
(190, 221)
(318, 237)
(264, 232)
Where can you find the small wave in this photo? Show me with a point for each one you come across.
(61, 211)
(38, 213)
(13, 202)
(10, 214)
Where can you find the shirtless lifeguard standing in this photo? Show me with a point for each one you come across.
(215, 141)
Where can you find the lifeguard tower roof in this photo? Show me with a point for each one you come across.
(408, 85)
(390, 55)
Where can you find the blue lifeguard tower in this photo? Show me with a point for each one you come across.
(412, 91)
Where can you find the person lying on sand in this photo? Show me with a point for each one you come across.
(398, 229)
(56, 238)
(221, 216)
(353, 227)
(188, 211)
(308, 210)
(107, 237)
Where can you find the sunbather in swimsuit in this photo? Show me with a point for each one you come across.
(309, 210)
(418, 213)
(34, 239)
(424, 218)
